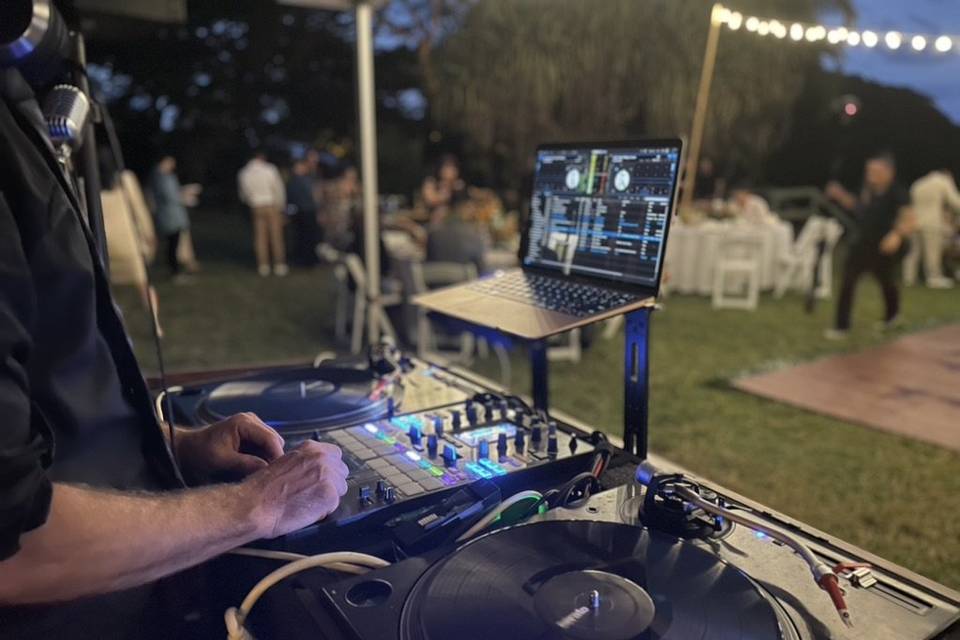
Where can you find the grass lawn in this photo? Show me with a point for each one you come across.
(893, 496)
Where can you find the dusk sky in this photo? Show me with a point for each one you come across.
(933, 74)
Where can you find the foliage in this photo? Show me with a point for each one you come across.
(518, 73)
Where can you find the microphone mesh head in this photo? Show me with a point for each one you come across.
(66, 109)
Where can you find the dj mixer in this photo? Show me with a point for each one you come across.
(422, 432)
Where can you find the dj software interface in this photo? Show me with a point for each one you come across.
(602, 212)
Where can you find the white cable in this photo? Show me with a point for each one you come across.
(817, 566)
(267, 554)
(235, 617)
(485, 521)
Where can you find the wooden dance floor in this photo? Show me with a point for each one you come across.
(910, 387)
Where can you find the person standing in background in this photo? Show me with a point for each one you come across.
(170, 213)
(884, 223)
(934, 198)
(262, 189)
(444, 189)
(302, 207)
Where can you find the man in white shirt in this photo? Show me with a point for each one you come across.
(262, 189)
(934, 198)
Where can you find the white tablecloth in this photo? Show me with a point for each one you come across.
(692, 252)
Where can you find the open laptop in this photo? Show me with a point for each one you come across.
(593, 246)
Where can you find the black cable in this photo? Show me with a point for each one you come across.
(115, 150)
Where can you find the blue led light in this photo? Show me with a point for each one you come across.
(478, 470)
(760, 535)
(493, 466)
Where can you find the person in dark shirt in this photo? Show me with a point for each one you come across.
(455, 239)
(884, 221)
(92, 501)
(302, 206)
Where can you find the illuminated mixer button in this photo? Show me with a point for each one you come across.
(502, 444)
(432, 445)
(483, 449)
(449, 455)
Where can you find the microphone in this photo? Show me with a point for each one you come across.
(66, 110)
(34, 38)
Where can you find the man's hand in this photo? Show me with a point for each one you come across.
(236, 447)
(890, 243)
(297, 489)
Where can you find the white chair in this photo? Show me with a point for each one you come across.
(795, 269)
(427, 275)
(570, 351)
(392, 295)
(738, 255)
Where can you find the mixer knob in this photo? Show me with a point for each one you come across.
(382, 487)
(455, 419)
(415, 436)
(535, 434)
(504, 410)
(552, 428)
(432, 445)
(502, 444)
(389, 494)
(483, 449)
(364, 494)
(573, 445)
(449, 455)
(438, 425)
(519, 440)
(471, 413)
(316, 435)
(552, 444)
(391, 407)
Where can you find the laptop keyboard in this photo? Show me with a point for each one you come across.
(554, 294)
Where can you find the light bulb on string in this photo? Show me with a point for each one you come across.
(893, 40)
(853, 38)
(870, 39)
(919, 43)
(943, 44)
(796, 31)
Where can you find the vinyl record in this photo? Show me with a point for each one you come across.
(302, 399)
(582, 580)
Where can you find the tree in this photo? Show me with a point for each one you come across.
(519, 73)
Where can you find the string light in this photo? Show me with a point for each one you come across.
(799, 31)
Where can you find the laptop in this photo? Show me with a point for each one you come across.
(592, 248)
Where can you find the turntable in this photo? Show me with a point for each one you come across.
(573, 580)
(595, 572)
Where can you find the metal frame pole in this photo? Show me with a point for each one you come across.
(539, 369)
(702, 105)
(366, 99)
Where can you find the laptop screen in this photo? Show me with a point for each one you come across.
(603, 211)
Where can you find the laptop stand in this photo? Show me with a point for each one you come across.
(636, 379)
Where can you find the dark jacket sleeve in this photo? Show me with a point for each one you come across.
(25, 490)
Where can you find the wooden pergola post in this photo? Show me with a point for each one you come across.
(703, 102)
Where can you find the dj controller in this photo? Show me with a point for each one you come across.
(489, 519)
(417, 431)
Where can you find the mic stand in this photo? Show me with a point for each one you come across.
(88, 166)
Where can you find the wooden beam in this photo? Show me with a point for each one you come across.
(702, 105)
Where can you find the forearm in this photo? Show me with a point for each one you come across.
(98, 541)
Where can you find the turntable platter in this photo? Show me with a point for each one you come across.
(302, 399)
(585, 580)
